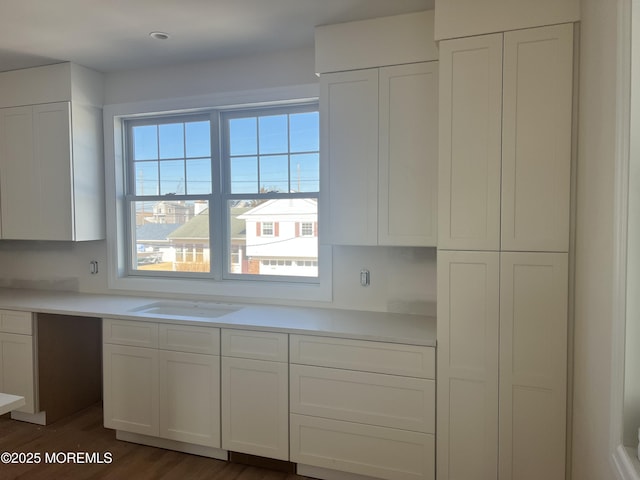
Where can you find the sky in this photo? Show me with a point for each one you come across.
(266, 153)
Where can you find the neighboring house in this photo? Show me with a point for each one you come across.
(167, 212)
(152, 243)
(282, 237)
(190, 242)
(276, 237)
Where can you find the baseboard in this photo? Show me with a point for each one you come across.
(39, 418)
(200, 450)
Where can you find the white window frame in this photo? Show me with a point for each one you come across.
(118, 278)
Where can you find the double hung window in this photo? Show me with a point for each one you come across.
(224, 194)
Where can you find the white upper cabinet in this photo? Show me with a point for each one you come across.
(470, 93)
(536, 139)
(378, 130)
(505, 141)
(349, 148)
(408, 150)
(51, 165)
(379, 134)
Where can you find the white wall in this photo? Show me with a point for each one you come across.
(594, 248)
(402, 279)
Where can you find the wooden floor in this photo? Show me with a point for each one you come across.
(83, 432)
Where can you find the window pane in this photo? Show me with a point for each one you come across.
(171, 236)
(146, 174)
(305, 173)
(244, 175)
(243, 136)
(265, 237)
(172, 177)
(273, 134)
(304, 136)
(198, 139)
(199, 177)
(171, 140)
(274, 175)
(145, 142)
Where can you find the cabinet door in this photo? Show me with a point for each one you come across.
(536, 153)
(408, 142)
(255, 407)
(17, 375)
(470, 119)
(131, 389)
(533, 365)
(190, 397)
(467, 377)
(17, 173)
(52, 143)
(349, 146)
(35, 173)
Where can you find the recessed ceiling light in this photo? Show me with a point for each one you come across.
(159, 35)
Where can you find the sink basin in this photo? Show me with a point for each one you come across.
(196, 310)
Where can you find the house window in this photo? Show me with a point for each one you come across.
(306, 229)
(221, 194)
(267, 229)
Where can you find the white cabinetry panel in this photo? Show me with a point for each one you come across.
(255, 407)
(349, 147)
(470, 119)
(408, 149)
(536, 148)
(127, 332)
(193, 339)
(533, 365)
(16, 322)
(257, 345)
(375, 399)
(362, 449)
(189, 397)
(17, 374)
(377, 357)
(131, 400)
(468, 328)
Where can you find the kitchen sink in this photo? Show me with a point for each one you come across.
(197, 310)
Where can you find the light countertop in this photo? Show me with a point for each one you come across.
(376, 326)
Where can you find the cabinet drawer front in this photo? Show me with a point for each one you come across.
(255, 345)
(125, 332)
(362, 449)
(16, 322)
(371, 398)
(377, 357)
(186, 338)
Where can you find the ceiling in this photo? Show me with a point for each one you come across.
(113, 35)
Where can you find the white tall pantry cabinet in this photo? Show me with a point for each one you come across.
(504, 195)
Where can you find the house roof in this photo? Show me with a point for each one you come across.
(198, 226)
(154, 231)
(283, 207)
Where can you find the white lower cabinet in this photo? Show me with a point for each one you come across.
(255, 388)
(131, 400)
(158, 390)
(17, 357)
(350, 413)
(189, 397)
